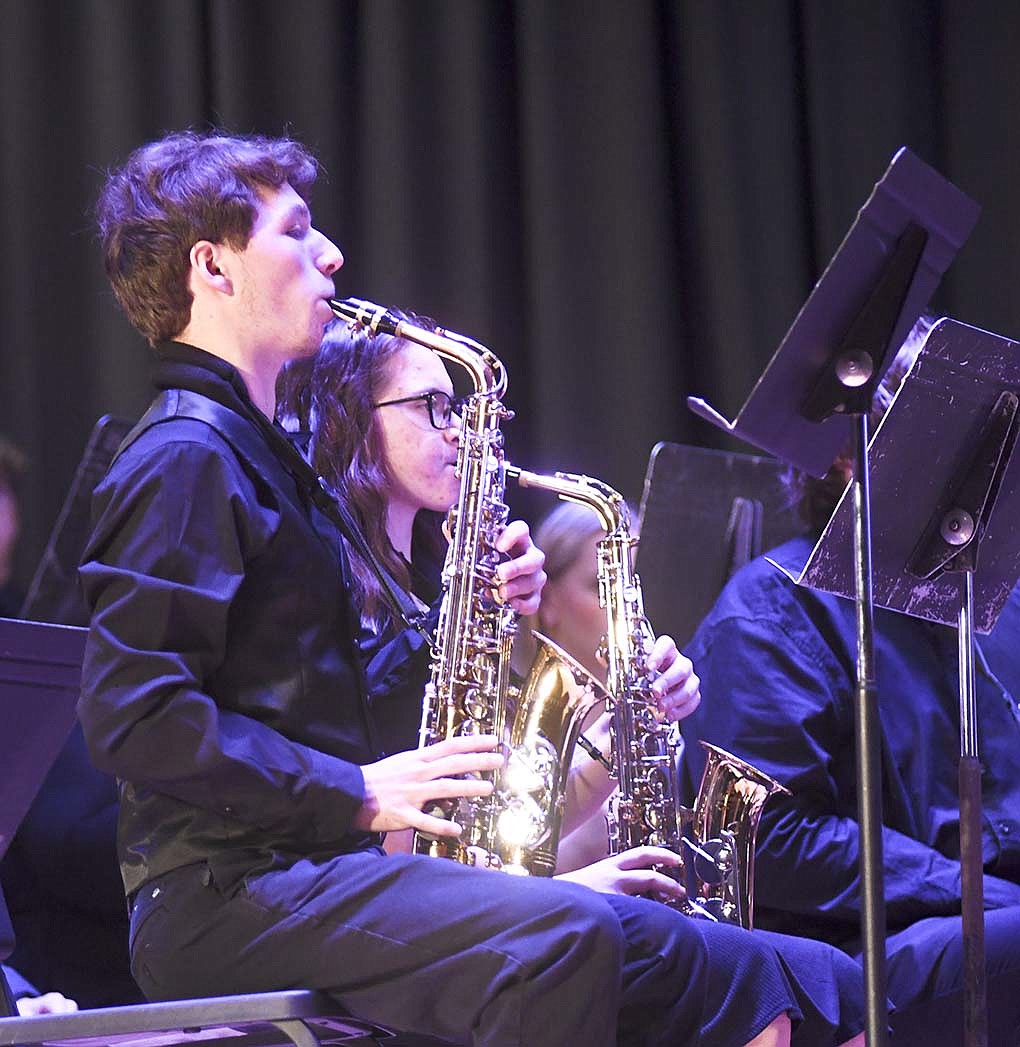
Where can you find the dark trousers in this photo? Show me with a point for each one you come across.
(467, 955)
(925, 975)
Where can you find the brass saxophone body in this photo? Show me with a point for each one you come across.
(716, 838)
(471, 690)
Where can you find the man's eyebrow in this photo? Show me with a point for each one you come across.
(297, 212)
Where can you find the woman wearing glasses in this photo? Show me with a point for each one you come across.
(385, 430)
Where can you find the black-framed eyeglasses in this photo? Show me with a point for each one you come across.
(442, 406)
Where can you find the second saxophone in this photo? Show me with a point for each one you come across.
(716, 838)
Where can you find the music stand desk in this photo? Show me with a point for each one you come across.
(688, 500)
(909, 193)
(937, 415)
(40, 674)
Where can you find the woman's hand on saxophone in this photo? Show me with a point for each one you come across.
(675, 685)
(399, 786)
(635, 872)
(521, 576)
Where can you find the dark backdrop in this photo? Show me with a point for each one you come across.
(628, 200)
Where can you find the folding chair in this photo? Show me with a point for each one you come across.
(270, 1019)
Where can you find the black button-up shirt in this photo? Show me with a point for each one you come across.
(221, 682)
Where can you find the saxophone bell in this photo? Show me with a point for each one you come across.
(717, 837)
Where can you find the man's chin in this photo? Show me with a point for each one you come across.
(309, 347)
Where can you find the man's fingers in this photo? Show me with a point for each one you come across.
(454, 788)
(426, 823)
(464, 763)
(644, 857)
(477, 743)
(651, 882)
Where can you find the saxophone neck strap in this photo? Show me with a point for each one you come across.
(402, 604)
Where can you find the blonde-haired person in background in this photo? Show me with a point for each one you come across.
(570, 615)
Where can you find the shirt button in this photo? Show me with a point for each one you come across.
(1004, 828)
(228, 810)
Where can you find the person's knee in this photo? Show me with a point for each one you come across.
(592, 930)
(775, 1034)
(1002, 940)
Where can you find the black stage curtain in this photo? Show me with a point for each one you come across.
(628, 200)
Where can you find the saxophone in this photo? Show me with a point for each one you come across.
(716, 838)
(471, 690)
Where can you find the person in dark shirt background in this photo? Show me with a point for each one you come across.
(13, 467)
(778, 669)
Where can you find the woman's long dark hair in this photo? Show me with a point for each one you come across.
(331, 396)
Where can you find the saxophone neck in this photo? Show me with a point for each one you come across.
(488, 375)
(608, 504)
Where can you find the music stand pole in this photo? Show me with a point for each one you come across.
(975, 987)
(951, 544)
(846, 385)
(868, 755)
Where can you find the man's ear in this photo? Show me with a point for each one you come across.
(210, 266)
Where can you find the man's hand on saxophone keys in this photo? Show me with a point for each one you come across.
(399, 786)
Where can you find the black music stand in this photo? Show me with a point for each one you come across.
(692, 496)
(816, 393)
(40, 669)
(909, 194)
(40, 673)
(924, 439)
(941, 463)
(54, 595)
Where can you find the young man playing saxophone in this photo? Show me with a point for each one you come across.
(222, 682)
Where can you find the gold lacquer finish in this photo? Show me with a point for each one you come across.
(716, 839)
(553, 701)
(471, 690)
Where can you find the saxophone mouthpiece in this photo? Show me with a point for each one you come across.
(377, 318)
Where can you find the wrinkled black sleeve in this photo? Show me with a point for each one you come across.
(177, 525)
